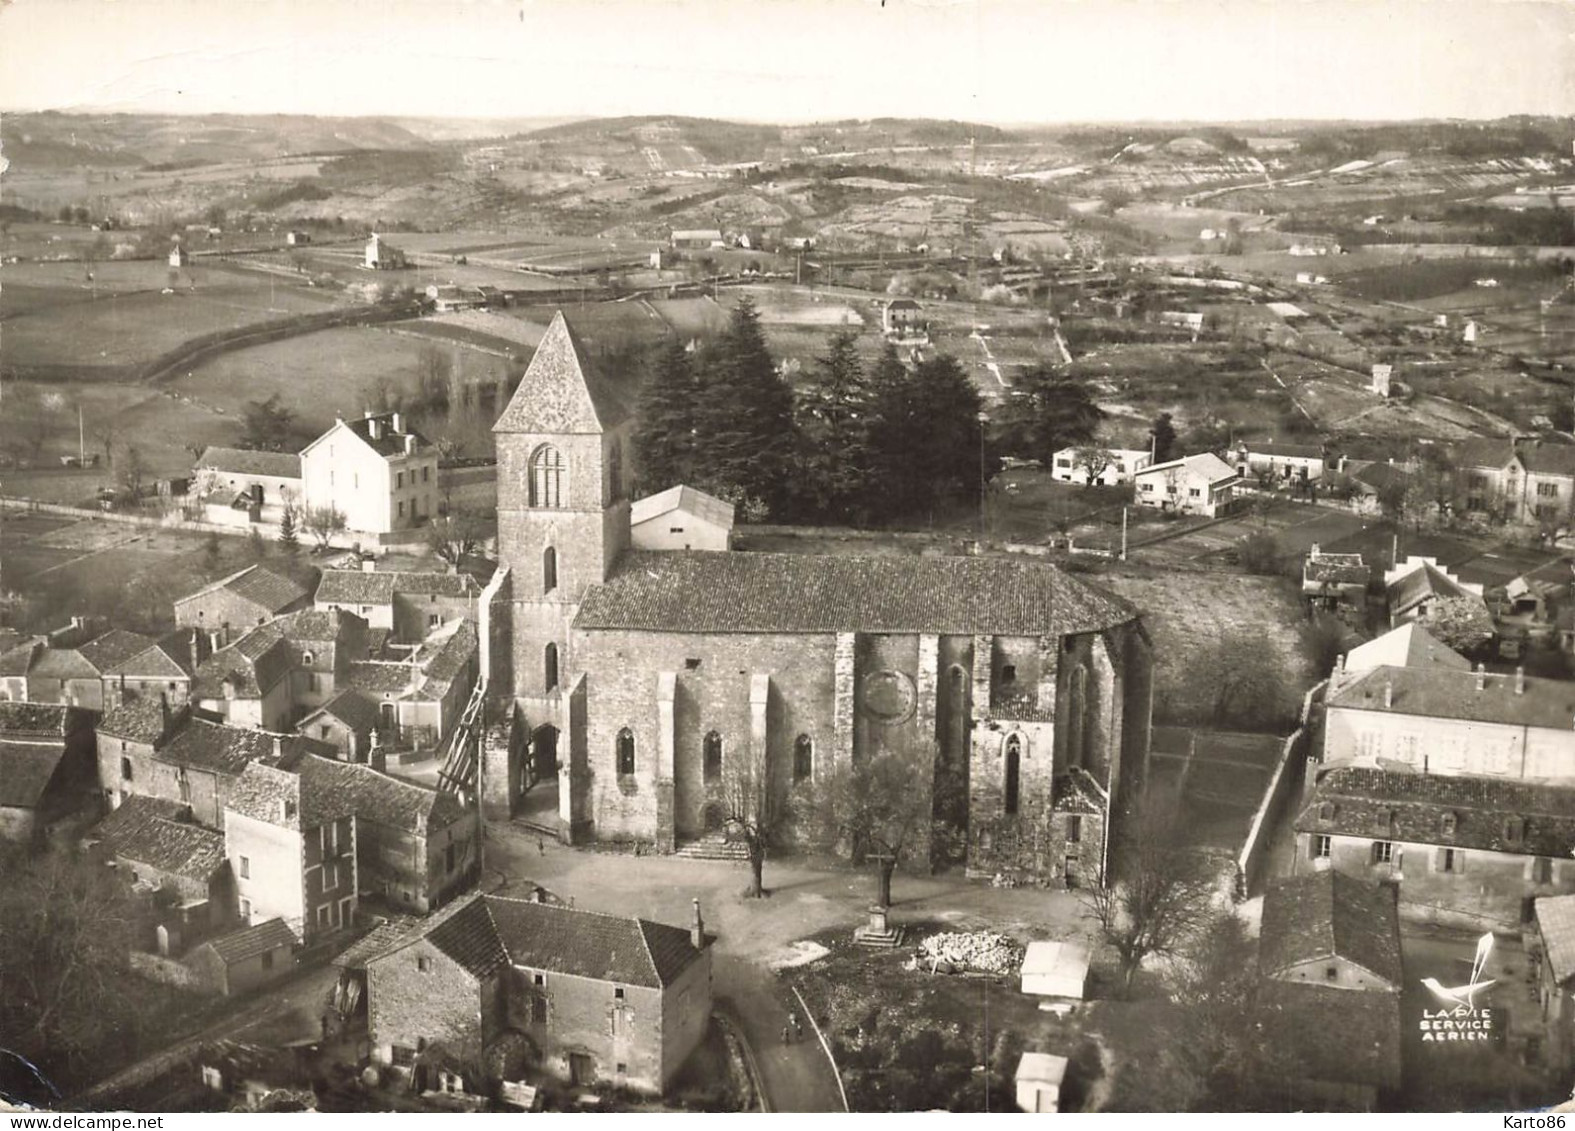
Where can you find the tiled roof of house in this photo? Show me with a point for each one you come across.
(1487, 813)
(1284, 451)
(562, 392)
(359, 587)
(1206, 464)
(17, 660)
(38, 718)
(162, 661)
(352, 708)
(1556, 924)
(116, 645)
(1334, 1035)
(205, 745)
(1379, 475)
(25, 771)
(795, 593)
(387, 442)
(1548, 458)
(1482, 451)
(691, 500)
(1328, 914)
(319, 625)
(447, 660)
(248, 942)
(252, 665)
(1409, 646)
(378, 678)
(384, 936)
(161, 835)
(62, 663)
(1425, 581)
(264, 588)
(241, 461)
(1446, 693)
(487, 931)
(332, 789)
(139, 720)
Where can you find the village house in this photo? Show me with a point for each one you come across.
(1329, 957)
(1440, 719)
(1413, 587)
(165, 669)
(179, 256)
(46, 767)
(1120, 465)
(409, 605)
(147, 749)
(283, 669)
(237, 484)
(1409, 646)
(602, 998)
(297, 238)
(630, 705)
(1523, 481)
(67, 666)
(681, 518)
(1199, 484)
(235, 604)
(901, 318)
(697, 239)
(160, 847)
(1279, 463)
(349, 722)
(1552, 944)
(1458, 849)
(245, 959)
(377, 472)
(1376, 485)
(421, 695)
(248, 1075)
(446, 298)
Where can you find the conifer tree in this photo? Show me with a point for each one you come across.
(1048, 410)
(665, 431)
(746, 441)
(289, 538)
(926, 435)
(834, 421)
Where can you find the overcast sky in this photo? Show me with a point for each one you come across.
(796, 60)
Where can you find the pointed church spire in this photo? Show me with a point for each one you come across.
(561, 392)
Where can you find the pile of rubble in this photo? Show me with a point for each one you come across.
(982, 951)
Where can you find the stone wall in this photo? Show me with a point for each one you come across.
(410, 1007)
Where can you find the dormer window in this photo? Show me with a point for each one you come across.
(306, 658)
(288, 807)
(1008, 674)
(1327, 810)
(1449, 823)
(1515, 830)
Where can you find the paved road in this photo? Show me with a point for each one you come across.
(794, 1077)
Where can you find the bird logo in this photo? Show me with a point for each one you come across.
(1465, 996)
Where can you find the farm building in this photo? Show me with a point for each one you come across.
(681, 518)
(697, 239)
(237, 603)
(1279, 462)
(384, 256)
(296, 238)
(179, 256)
(901, 317)
(1069, 465)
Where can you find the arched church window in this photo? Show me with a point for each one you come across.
(547, 473)
(615, 471)
(626, 751)
(1014, 758)
(549, 666)
(712, 757)
(803, 758)
(549, 569)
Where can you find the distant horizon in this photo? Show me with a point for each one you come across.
(1012, 63)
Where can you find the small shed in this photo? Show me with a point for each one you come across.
(1039, 1078)
(1056, 969)
(248, 958)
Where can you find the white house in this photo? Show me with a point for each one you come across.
(698, 239)
(1201, 484)
(382, 256)
(379, 473)
(1124, 464)
(1281, 463)
(681, 518)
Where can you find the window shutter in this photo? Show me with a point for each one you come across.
(1438, 859)
(1460, 861)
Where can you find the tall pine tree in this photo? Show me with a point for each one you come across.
(667, 420)
(1048, 410)
(746, 438)
(834, 425)
(926, 435)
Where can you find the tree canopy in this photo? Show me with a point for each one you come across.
(1048, 410)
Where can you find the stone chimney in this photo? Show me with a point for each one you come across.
(368, 565)
(373, 426)
(1389, 695)
(165, 718)
(1520, 681)
(398, 420)
(278, 746)
(1481, 677)
(1313, 552)
(697, 929)
(410, 444)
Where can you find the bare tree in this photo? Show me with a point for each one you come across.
(322, 523)
(130, 472)
(882, 807)
(457, 533)
(754, 808)
(1093, 461)
(1159, 897)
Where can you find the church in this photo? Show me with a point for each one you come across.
(637, 675)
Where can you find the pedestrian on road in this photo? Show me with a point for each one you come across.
(787, 1035)
(541, 846)
(798, 1028)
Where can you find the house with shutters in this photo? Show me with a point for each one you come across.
(1470, 850)
(608, 999)
(1524, 480)
(1198, 484)
(283, 669)
(165, 668)
(381, 474)
(234, 605)
(408, 605)
(1329, 997)
(70, 666)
